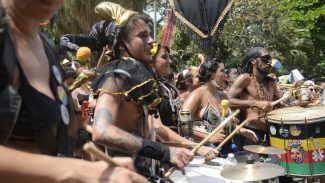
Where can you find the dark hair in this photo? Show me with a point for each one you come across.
(182, 77)
(208, 69)
(69, 72)
(159, 47)
(125, 31)
(170, 77)
(252, 53)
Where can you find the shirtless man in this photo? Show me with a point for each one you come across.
(253, 91)
(117, 116)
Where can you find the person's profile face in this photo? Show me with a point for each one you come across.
(68, 81)
(195, 78)
(139, 42)
(162, 62)
(232, 75)
(219, 76)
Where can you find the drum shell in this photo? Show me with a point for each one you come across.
(303, 138)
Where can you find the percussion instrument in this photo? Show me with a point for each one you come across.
(299, 132)
(243, 156)
(199, 171)
(264, 149)
(254, 171)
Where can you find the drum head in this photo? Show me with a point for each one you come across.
(297, 114)
(199, 171)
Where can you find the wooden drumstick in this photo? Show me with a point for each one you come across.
(284, 97)
(295, 85)
(179, 144)
(207, 138)
(245, 122)
(200, 131)
(232, 134)
(93, 150)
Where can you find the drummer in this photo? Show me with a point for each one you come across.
(253, 91)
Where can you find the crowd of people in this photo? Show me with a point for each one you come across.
(127, 105)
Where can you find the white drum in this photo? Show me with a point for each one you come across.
(199, 172)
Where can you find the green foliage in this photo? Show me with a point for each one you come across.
(292, 30)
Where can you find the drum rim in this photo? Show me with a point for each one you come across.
(292, 122)
(302, 175)
(274, 117)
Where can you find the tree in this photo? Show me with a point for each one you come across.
(292, 30)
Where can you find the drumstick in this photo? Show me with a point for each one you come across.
(224, 107)
(244, 123)
(93, 150)
(295, 85)
(179, 144)
(284, 97)
(232, 134)
(197, 130)
(207, 138)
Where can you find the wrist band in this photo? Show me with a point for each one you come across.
(155, 151)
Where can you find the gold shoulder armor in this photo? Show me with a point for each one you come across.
(82, 78)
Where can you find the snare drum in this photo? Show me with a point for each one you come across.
(301, 132)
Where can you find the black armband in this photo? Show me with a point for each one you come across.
(155, 151)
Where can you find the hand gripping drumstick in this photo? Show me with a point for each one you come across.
(207, 138)
(285, 96)
(92, 149)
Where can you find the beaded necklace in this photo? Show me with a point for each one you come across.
(262, 93)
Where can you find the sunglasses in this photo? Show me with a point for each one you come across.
(266, 59)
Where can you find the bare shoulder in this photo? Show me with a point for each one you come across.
(196, 93)
(194, 97)
(112, 84)
(239, 85)
(243, 79)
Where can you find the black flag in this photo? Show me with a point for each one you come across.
(202, 19)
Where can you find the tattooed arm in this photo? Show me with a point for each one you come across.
(106, 133)
(106, 114)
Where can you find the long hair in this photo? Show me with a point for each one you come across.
(252, 53)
